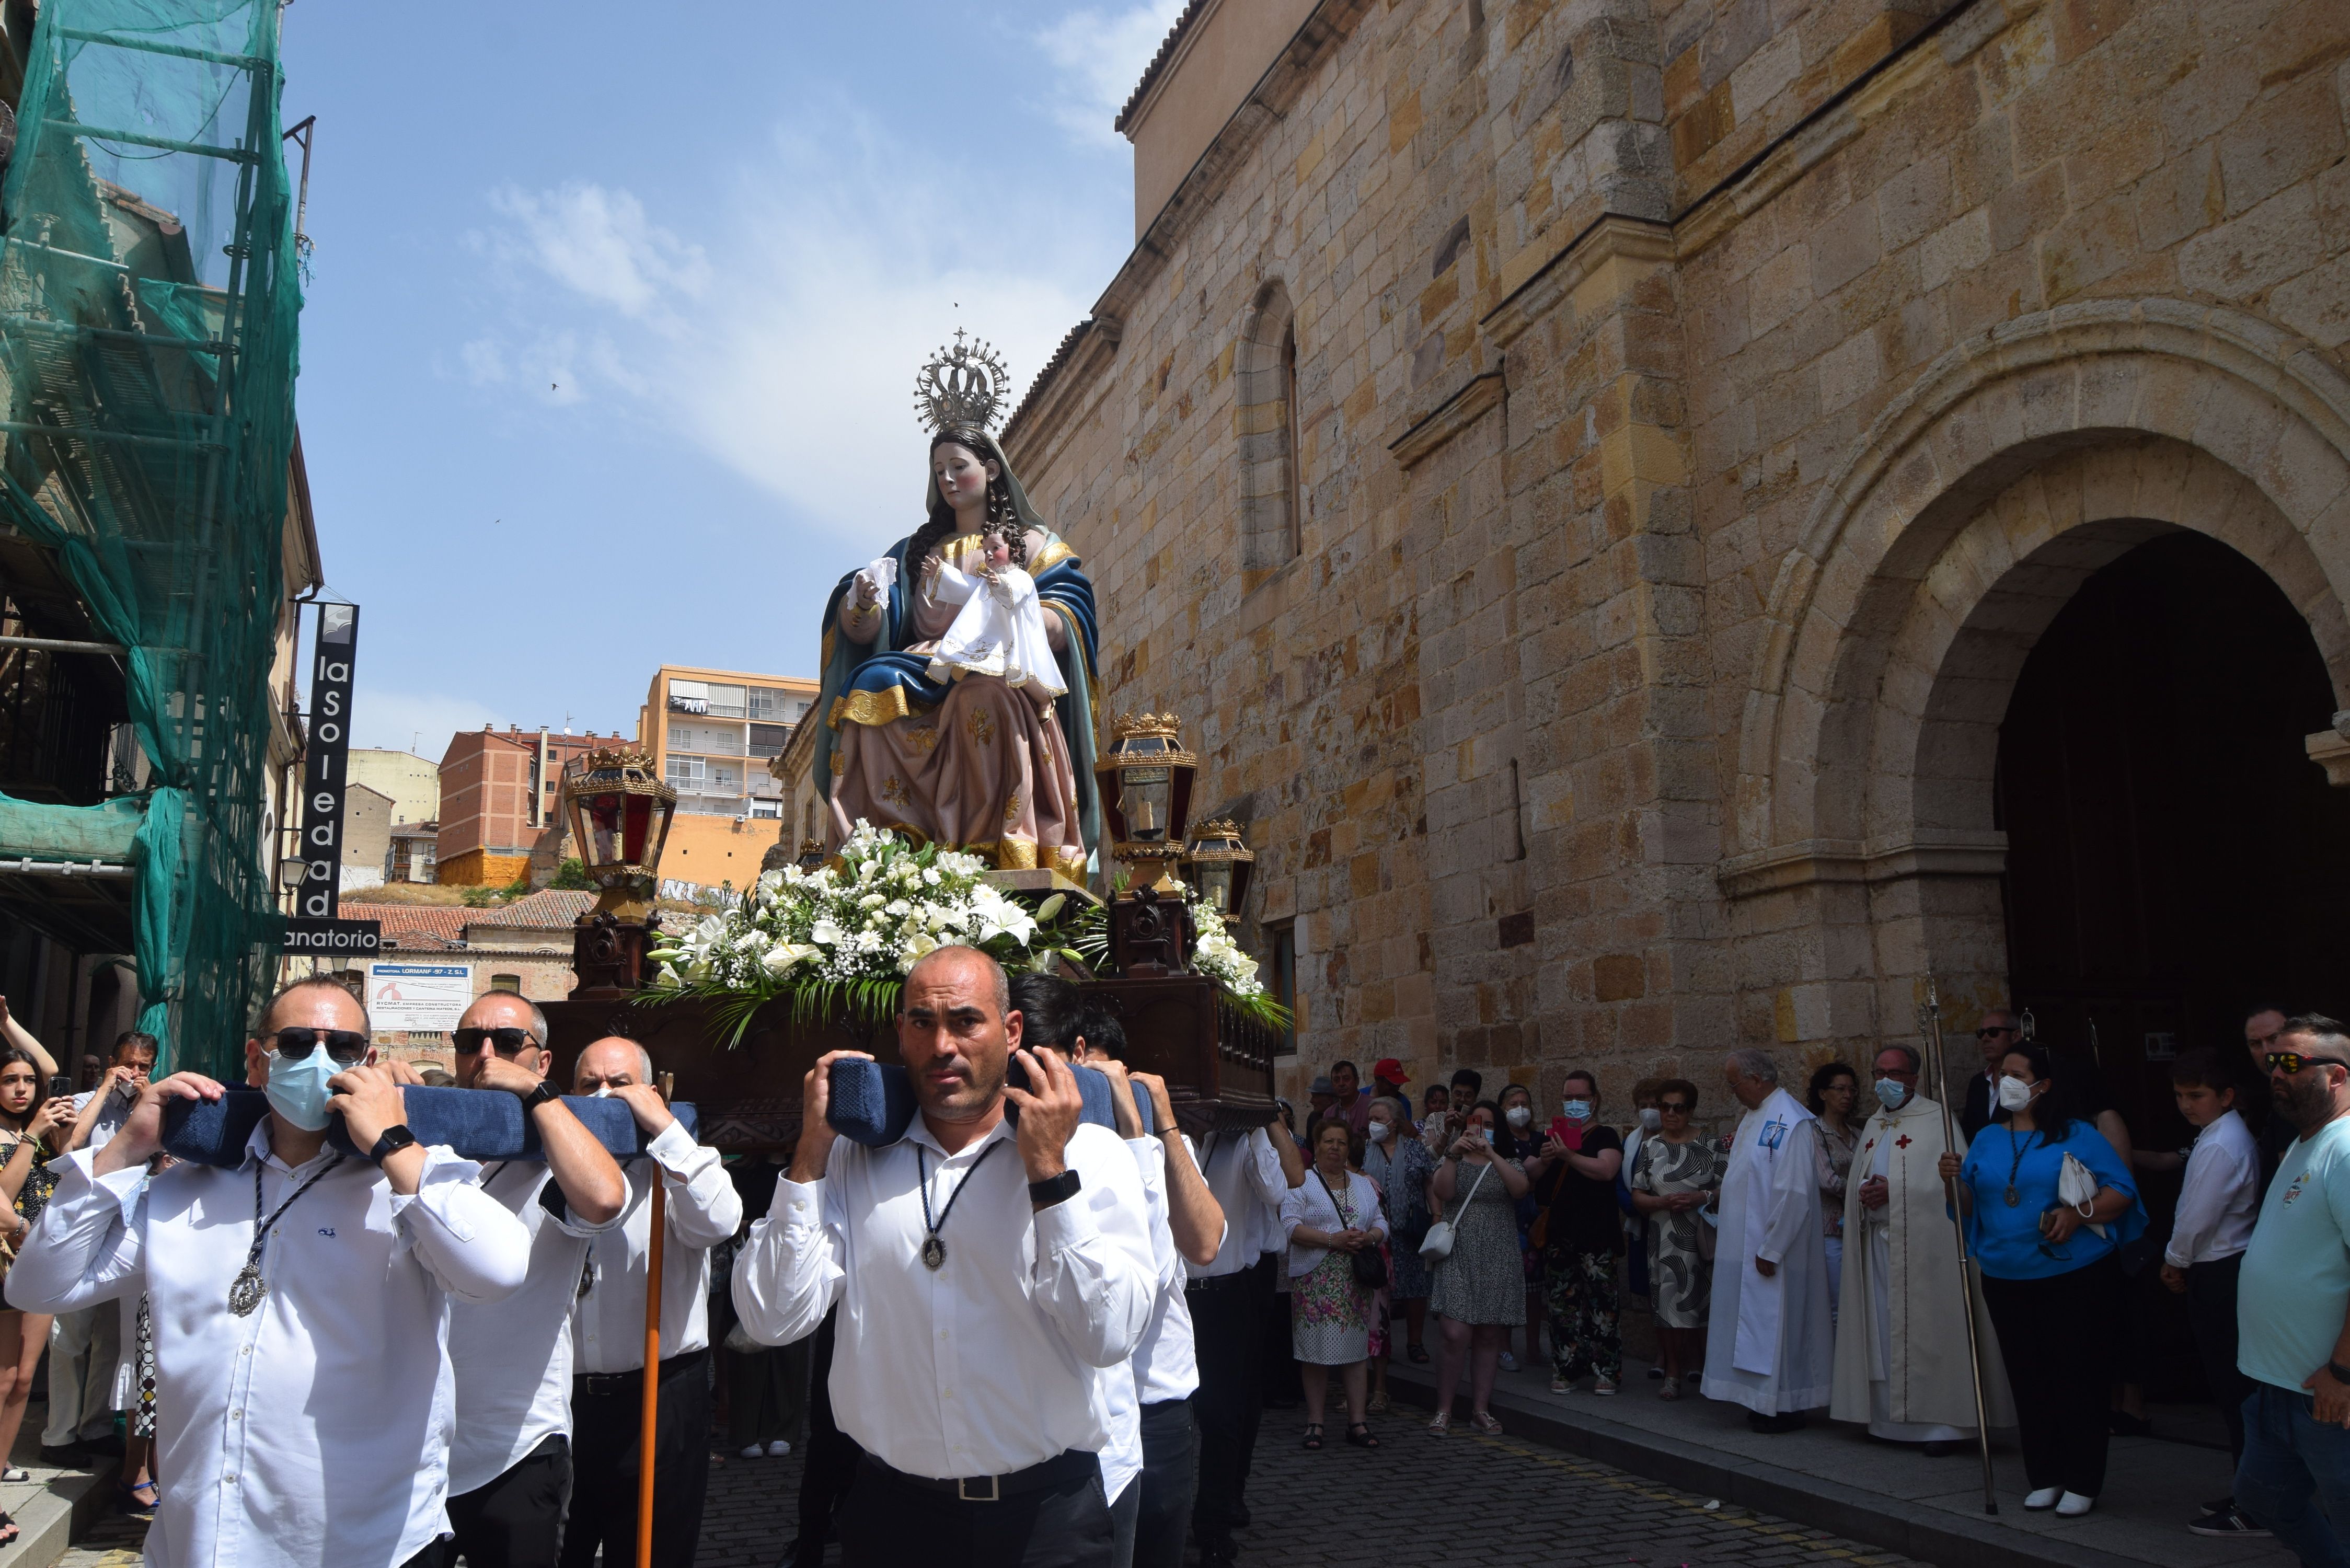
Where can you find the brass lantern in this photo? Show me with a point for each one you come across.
(1219, 862)
(1146, 790)
(811, 855)
(619, 811)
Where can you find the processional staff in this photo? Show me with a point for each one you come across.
(1929, 1024)
(652, 1357)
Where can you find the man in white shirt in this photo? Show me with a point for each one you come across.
(86, 1348)
(607, 1330)
(2219, 1201)
(1248, 1173)
(985, 1279)
(510, 1464)
(304, 1396)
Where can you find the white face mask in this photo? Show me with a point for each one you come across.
(1377, 1132)
(1890, 1093)
(1650, 1118)
(2014, 1094)
(1520, 1115)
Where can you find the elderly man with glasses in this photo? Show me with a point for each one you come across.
(510, 1460)
(1997, 1034)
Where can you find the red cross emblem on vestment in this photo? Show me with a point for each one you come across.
(1901, 1142)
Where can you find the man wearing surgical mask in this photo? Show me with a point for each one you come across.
(1901, 1347)
(307, 1346)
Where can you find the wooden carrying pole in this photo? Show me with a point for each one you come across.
(1933, 1012)
(657, 1204)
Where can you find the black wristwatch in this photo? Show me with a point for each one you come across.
(544, 1095)
(1054, 1190)
(395, 1138)
(2340, 1373)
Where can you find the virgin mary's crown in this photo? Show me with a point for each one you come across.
(964, 386)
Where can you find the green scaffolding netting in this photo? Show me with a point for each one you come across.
(149, 301)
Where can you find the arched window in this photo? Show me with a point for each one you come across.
(1271, 487)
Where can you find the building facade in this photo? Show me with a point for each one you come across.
(713, 735)
(1674, 524)
(524, 946)
(411, 782)
(502, 804)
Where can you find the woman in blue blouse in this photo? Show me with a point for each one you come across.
(2051, 1270)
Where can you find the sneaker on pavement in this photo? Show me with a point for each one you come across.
(2072, 1505)
(1509, 1362)
(2229, 1521)
(755, 1451)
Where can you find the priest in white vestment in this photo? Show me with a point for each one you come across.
(1773, 1348)
(1901, 1347)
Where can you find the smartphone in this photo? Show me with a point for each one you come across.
(61, 1086)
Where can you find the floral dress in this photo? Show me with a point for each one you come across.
(34, 1196)
(1329, 1314)
(1402, 1175)
(1681, 1277)
(1483, 1279)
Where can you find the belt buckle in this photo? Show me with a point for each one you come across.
(994, 1489)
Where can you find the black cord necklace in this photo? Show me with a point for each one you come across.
(244, 1291)
(2015, 1165)
(934, 1251)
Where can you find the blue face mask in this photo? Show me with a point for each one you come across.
(1578, 1110)
(1891, 1092)
(297, 1089)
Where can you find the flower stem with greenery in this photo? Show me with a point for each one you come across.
(840, 940)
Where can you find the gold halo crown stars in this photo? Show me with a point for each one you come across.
(965, 386)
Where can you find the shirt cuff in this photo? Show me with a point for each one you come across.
(1066, 1224)
(674, 1152)
(798, 1202)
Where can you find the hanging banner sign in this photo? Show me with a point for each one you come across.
(324, 766)
(334, 938)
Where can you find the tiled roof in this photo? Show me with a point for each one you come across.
(431, 926)
(546, 909)
(1052, 368)
(1159, 62)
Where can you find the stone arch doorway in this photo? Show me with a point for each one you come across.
(2171, 851)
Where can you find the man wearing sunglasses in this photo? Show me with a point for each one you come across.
(304, 1396)
(2293, 1304)
(510, 1460)
(608, 1329)
(1997, 1034)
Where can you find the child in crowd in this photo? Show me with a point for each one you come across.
(2216, 1204)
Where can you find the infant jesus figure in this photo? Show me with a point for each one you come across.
(999, 631)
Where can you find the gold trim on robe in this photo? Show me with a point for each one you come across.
(1051, 555)
(1009, 853)
(884, 707)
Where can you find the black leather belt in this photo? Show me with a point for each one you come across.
(633, 1379)
(1058, 1470)
(1230, 1282)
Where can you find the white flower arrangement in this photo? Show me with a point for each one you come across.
(847, 933)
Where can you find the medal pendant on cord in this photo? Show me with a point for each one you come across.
(934, 1251)
(2014, 1197)
(246, 1291)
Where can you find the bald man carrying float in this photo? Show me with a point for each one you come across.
(607, 1330)
(984, 1276)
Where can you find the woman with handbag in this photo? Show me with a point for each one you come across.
(1480, 1287)
(2048, 1208)
(1675, 1174)
(1335, 1229)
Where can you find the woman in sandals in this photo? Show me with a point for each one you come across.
(1330, 1220)
(1480, 1285)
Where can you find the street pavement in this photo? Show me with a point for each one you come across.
(1464, 1499)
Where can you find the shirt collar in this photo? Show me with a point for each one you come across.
(256, 1146)
(917, 1131)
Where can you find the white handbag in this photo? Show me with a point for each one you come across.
(1437, 1245)
(2076, 1187)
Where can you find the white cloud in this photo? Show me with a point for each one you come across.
(1101, 55)
(784, 342)
(419, 722)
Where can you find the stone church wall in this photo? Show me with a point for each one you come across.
(1697, 410)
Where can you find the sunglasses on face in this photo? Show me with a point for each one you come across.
(2291, 1062)
(1673, 1106)
(1993, 1031)
(508, 1043)
(347, 1047)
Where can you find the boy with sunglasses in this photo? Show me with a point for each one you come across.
(304, 1395)
(510, 1459)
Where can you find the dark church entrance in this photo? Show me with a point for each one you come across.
(2173, 853)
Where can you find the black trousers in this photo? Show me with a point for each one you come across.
(765, 1390)
(832, 1454)
(1227, 1329)
(2056, 1336)
(516, 1521)
(2211, 1317)
(885, 1523)
(1276, 1353)
(1169, 1473)
(606, 1414)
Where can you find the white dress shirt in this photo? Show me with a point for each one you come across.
(317, 1430)
(513, 1360)
(608, 1322)
(1245, 1175)
(1167, 1366)
(989, 1364)
(2220, 1198)
(111, 1115)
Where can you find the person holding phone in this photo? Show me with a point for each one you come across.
(2050, 1270)
(1574, 1179)
(1479, 1290)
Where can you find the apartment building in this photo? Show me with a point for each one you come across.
(712, 733)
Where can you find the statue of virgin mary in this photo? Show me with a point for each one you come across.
(991, 764)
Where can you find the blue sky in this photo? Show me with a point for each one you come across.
(608, 358)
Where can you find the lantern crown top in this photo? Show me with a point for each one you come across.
(621, 768)
(1160, 726)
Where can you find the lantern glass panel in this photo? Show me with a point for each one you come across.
(1145, 795)
(603, 844)
(1215, 879)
